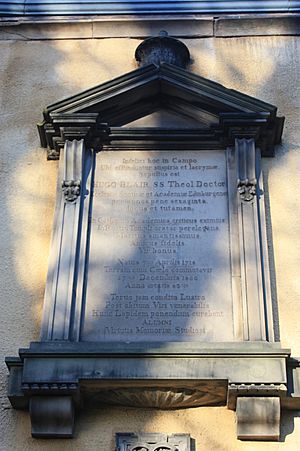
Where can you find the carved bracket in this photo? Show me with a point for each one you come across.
(258, 418)
(257, 409)
(52, 416)
(246, 169)
(251, 390)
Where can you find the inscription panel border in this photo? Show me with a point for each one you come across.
(252, 310)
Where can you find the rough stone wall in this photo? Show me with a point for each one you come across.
(34, 74)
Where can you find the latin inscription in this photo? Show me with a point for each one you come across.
(159, 266)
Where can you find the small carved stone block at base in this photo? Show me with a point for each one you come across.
(52, 416)
(153, 442)
(258, 418)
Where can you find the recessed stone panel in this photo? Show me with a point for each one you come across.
(159, 263)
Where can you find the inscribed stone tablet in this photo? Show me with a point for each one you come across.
(159, 265)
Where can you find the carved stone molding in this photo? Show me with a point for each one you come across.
(253, 390)
(68, 127)
(78, 374)
(163, 398)
(59, 388)
(223, 113)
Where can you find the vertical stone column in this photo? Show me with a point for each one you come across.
(256, 299)
(60, 291)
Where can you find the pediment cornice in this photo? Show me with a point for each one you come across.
(226, 113)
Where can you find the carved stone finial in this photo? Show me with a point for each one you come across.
(162, 49)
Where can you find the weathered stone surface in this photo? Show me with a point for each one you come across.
(51, 416)
(257, 25)
(159, 265)
(42, 31)
(122, 27)
(195, 26)
(258, 418)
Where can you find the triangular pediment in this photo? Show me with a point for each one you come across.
(165, 118)
(152, 88)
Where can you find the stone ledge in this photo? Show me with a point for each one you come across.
(257, 25)
(141, 26)
(51, 383)
(105, 27)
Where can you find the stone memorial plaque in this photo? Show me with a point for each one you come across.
(159, 265)
(158, 291)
